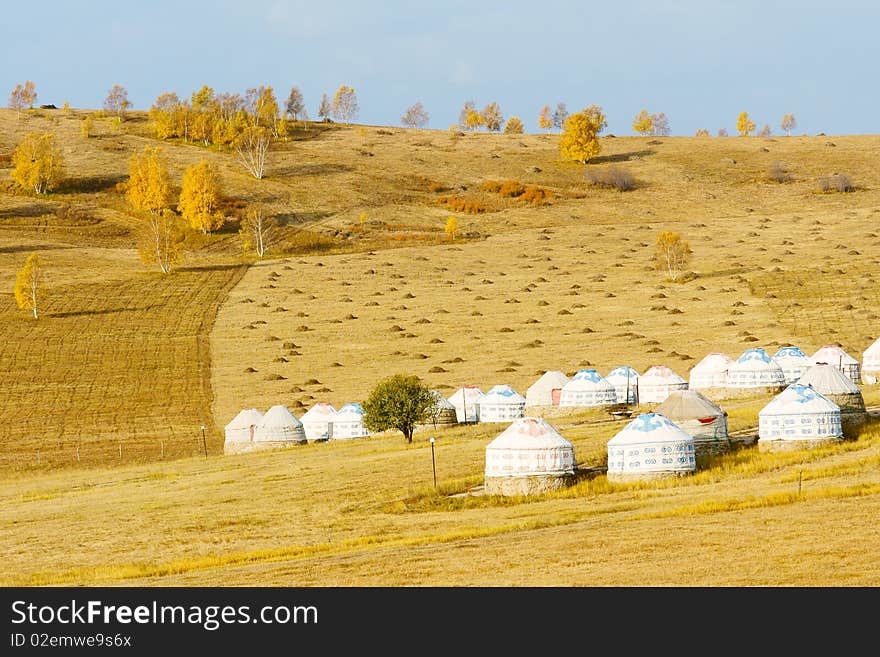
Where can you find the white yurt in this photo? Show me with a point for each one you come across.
(626, 384)
(754, 373)
(501, 404)
(278, 428)
(240, 431)
(833, 384)
(316, 422)
(871, 363)
(797, 418)
(833, 354)
(710, 374)
(587, 388)
(541, 392)
(650, 447)
(700, 418)
(527, 458)
(348, 423)
(465, 402)
(443, 414)
(656, 384)
(793, 362)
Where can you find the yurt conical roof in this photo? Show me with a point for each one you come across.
(793, 362)
(650, 428)
(540, 393)
(624, 379)
(798, 399)
(711, 371)
(320, 412)
(443, 404)
(352, 412)
(588, 379)
(755, 369)
(502, 394)
(501, 404)
(688, 405)
(828, 380)
(833, 354)
(529, 446)
(588, 388)
(656, 384)
(465, 402)
(239, 433)
(279, 424)
(244, 420)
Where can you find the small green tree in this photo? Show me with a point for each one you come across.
(399, 402)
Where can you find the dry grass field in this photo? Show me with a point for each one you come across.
(102, 398)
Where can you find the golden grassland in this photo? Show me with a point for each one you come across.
(102, 399)
(364, 513)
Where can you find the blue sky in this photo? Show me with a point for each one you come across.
(699, 62)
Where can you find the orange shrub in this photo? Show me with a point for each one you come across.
(536, 195)
(462, 204)
(511, 189)
(493, 186)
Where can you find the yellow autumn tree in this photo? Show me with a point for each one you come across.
(24, 95)
(37, 163)
(514, 126)
(148, 187)
(474, 119)
(85, 128)
(580, 135)
(344, 106)
(672, 254)
(643, 123)
(545, 119)
(200, 197)
(744, 124)
(27, 284)
(451, 227)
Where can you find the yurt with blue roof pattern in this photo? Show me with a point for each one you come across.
(650, 447)
(626, 384)
(587, 388)
(797, 418)
(501, 404)
(754, 373)
(793, 362)
(348, 423)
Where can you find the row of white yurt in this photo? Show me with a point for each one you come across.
(250, 431)
(464, 400)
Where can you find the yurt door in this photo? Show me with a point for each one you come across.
(555, 395)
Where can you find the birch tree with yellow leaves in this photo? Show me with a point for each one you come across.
(27, 284)
(200, 197)
(580, 136)
(37, 163)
